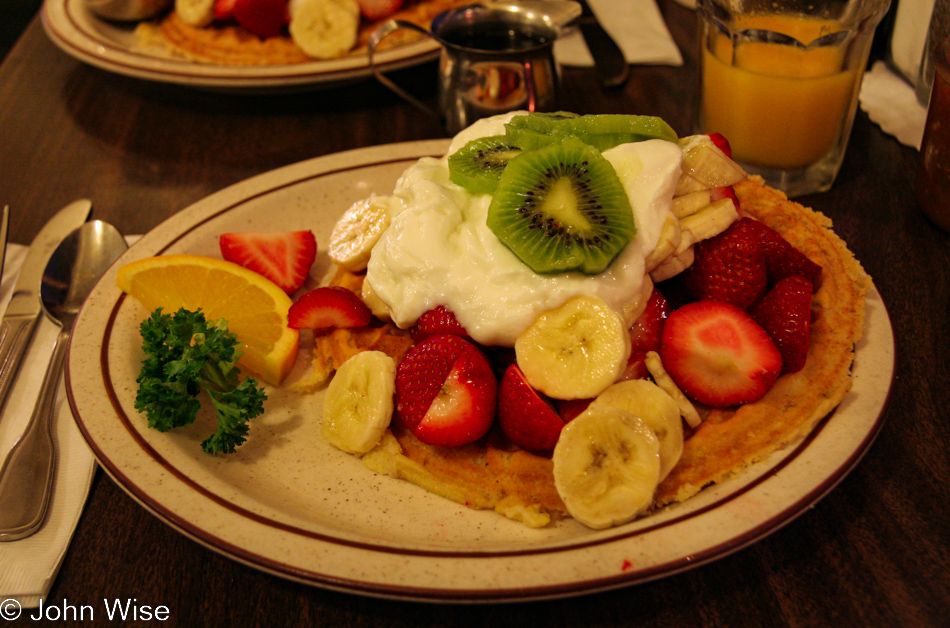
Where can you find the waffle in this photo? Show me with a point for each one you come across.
(492, 474)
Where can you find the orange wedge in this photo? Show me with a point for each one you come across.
(254, 307)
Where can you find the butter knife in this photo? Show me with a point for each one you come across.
(611, 65)
(4, 223)
(18, 323)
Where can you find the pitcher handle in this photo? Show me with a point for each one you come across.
(381, 33)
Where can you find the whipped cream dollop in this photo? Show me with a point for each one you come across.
(438, 249)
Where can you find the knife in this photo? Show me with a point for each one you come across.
(608, 57)
(3, 235)
(18, 323)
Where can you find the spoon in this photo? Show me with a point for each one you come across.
(26, 478)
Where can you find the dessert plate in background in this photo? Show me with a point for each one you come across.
(289, 504)
(112, 46)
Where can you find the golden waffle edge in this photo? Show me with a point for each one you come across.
(520, 485)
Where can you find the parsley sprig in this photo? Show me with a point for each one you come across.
(185, 354)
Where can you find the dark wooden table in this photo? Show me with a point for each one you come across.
(875, 552)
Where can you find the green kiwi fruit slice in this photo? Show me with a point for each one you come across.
(478, 165)
(535, 130)
(600, 131)
(562, 207)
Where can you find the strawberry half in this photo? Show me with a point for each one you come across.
(438, 320)
(729, 267)
(264, 18)
(526, 416)
(569, 409)
(284, 258)
(331, 306)
(224, 9)
(645, 335)
(785, 313)
(717, 194)
(374, 10)
(781, 258)
(721, 143)
(718, 355)
(445, 391)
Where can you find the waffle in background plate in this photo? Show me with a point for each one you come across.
(229, 44)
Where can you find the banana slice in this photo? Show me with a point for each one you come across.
(656, 408)
(574, 351)
(377, 306)
(606, 466)
(673, 265)
(708, 222)
(668, 243)
(689, 204)
(357, 231)
(706, 167)
(655, 365)
(358, 405)
(324, 29)
(198, 13)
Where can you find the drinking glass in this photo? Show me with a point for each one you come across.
(780, 80)
(933, 173)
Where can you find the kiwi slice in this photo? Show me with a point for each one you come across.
(535, 130)
(608, 130)
(600, 131)
(478, 165)
(561, 207)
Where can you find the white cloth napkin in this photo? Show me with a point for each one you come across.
(892, 104)
(909, 36)
(636, 25)
(29, 566)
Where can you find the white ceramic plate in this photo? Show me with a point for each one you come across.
(112, 46)
(289, 504)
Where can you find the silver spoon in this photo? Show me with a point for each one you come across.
(26, 478)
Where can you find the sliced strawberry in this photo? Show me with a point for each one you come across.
(445, 391)
(785, 313)
(332, 306)
(374, 10)
(781, 258)
(718, 355)
(284, 258)
(224, 9)
(526, 416)
(729, 267)
(264, 18)
(569, 409)
(716, 194)
(438, 320)
(645, 335)
(721, 143)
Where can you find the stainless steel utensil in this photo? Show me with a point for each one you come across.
(4, 223)
(24, 309)
(608, 57)
(26, 478)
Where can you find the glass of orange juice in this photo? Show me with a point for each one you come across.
(780, 80)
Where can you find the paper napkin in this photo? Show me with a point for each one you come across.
(29, 566)
(892, 104)
(636, 25)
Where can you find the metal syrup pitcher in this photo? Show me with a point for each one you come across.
(496, 57)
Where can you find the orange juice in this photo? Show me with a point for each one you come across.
(780, 106)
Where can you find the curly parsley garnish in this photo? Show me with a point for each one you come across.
(185, 354)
